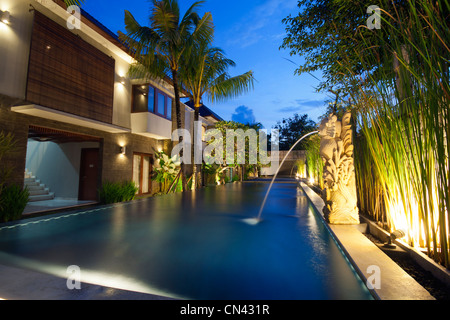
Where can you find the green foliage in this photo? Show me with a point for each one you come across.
(326, 32)
(166, 170)
(13, 200)
(7, 146)
(403, 146)
(113, 192)
(205, 73)
(301, 168)
(293, 128)
(163, 47)
(215, 172)
(248, 157)
(245, 136)
(74, 2)
(314, 161)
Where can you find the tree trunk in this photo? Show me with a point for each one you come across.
(196, 176)
(176, 90)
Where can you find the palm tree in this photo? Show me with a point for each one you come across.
(205, 73)
(159, 48)
(73, 2)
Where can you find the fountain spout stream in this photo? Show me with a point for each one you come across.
(258, 219)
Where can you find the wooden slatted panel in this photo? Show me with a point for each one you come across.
(68, 74)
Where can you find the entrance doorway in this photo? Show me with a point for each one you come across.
(142, 170)
(63, 164)
(89, 173)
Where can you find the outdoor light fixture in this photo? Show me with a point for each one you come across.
(5, 17)
(397, 234)
(123, 150)
(122, 80)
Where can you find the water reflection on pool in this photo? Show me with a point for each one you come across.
(194, 245)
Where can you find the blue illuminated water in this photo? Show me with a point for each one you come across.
(194, 245)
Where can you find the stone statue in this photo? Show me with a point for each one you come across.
(336, 150)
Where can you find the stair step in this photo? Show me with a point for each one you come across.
(35, 188)
(30, 179)
(33, 183)
(39, 192)
(49, 196)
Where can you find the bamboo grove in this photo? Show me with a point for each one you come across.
(402, 113)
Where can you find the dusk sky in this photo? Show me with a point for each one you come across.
(250, 32)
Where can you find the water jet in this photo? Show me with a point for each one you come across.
(258, 219)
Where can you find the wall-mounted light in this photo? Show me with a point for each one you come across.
(123, 150)
(122, 80)
(5, 17)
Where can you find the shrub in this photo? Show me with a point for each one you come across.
(113, 192)
(13, 200)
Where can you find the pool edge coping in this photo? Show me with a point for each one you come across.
(396, 284)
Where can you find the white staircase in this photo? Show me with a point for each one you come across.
(38, 191)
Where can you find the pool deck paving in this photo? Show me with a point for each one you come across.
(389, 281)
(21, 284)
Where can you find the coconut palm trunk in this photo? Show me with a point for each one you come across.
(160, 48)
(205, 73)
(176, 89)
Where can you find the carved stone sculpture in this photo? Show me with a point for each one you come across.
(336, 150)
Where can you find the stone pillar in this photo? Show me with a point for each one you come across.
(336, 151)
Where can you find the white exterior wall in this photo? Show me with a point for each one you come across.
(57, 165)
(14, 48)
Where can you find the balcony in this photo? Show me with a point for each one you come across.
(151, 125)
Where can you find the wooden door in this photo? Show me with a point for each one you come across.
(89, 173)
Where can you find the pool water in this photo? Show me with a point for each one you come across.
(194, 245)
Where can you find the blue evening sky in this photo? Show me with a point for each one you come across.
(250, 32)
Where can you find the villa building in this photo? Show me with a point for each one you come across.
(77, 119)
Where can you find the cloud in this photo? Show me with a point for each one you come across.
(289, 109)
(250, 31)
(310, 103)
(303, 105)
(243, 115)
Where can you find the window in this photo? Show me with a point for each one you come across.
(140, 98)
(169, 108)
(161, 104)
(149, 99)
(142, 170)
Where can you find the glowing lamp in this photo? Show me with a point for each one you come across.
(397, 234)
(123, 150)
(5, 17)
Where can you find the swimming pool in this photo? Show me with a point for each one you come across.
(194, 245)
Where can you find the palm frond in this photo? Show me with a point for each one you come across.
(226, 88)
(73, 2)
